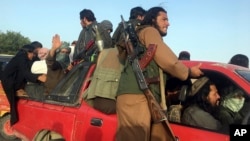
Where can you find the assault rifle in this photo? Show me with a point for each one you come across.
(133, 50)
(89, 50)
(83, 53)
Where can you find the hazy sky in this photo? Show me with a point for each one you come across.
(212, 30)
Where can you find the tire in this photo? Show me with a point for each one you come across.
(5, 128)
(46, 135)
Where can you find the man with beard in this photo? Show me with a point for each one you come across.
(134, 118)
(204, 102)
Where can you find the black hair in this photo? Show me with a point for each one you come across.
(200, 98)
(26, 49)
(36, 44)
(184, 55)
(88, 14)
(74, 42)
(240, 59)
(173, 84)
(151, 15)
(137, 11)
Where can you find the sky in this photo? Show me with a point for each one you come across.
(211, 30)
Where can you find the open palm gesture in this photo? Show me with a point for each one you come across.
(56, 42)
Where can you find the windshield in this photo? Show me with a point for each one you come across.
(245, 74)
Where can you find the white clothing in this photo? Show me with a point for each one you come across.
(39, 67)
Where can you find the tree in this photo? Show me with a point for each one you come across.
(11, 42)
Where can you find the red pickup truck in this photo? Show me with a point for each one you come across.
(64, 114)
(5, 128)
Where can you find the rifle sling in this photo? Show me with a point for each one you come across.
(152, 80)
(147, 56)
(82, 53)
(144, 61)
(89, 44)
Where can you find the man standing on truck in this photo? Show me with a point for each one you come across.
(134, 119)
(85, 46)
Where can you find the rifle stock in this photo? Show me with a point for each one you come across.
(156, 111)
(158, 115)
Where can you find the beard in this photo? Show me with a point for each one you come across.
(210, 108)
(163, 34)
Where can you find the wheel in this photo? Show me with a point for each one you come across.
(46, 135)
(5, 129)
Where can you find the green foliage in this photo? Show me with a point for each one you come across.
(11, 42)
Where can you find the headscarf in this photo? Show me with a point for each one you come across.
(63, 58)
(107, 25)
(234, 100)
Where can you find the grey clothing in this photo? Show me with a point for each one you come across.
(227, 117)
(86, 36)
(195, 116)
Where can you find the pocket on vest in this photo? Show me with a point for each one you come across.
(104, 83)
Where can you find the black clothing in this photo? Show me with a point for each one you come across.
(117, 36)
(15, 76)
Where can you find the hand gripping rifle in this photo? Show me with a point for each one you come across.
(133, 50)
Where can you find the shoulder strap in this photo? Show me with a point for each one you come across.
(147, 56)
